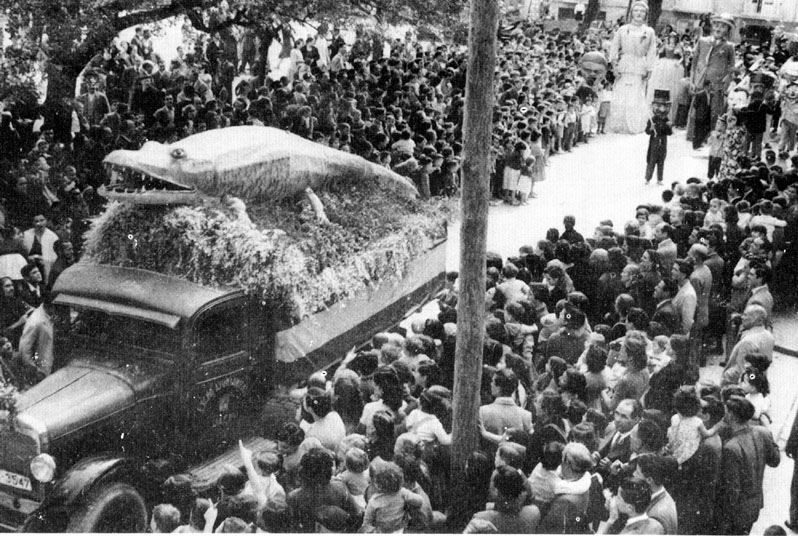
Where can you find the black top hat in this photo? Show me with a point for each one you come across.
(662, 96)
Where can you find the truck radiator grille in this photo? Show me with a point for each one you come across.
(16, 452)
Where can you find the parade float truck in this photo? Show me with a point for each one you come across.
(187, 311)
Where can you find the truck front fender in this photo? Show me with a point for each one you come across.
(71, 487)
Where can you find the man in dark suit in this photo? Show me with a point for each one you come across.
(214, 52)
(114, 118)
(95, 103)
(146, 100)
(666, 247)
(615, 448)
(503, 413)
(759, 276)
(165, 119)
(743, 459)
(632, 501)
(655, 470)
(665, 314)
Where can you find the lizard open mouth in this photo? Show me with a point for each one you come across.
(135, 186)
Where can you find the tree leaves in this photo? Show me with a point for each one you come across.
(66, 35)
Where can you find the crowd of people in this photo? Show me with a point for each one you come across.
(593, 418)
(397, 103)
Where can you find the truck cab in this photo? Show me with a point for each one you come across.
(151, 373)
(155, 375)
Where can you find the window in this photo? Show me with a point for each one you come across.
(223, 333)
(91, 326)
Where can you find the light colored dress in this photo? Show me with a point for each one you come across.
(761, 404)
(633, 53)
(427, 427)
(684, 437)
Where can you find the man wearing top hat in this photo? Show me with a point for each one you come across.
(658, 128)
(713, 62)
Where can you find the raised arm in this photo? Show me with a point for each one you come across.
(254, 478)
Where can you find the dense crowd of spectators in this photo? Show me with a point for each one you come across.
(592, 417)
(397, 103)
(590, 380)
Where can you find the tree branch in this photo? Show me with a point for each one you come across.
(239, 19)
(140, 17)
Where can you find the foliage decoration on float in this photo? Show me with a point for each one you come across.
(290, 260)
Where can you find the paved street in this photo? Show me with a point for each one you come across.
(600, 180)
(604, 179)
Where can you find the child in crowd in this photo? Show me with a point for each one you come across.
(544, 476)
(715, 214)
(766, 218)
(512, 170)
(262, 484)
(744, 214)
(539, 165)
(356, 475)
(545, 137)
(387, 509)
(587, 116)
(757, 388)
(715, 145)
(423, 421)
(202, 513)
(605, 98)
(569, 128)
(659, 353)
(521, 336)
(525, 181)
(687, 429)
(558, 126)
(165, 519)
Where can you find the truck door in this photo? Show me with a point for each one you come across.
(221, 375)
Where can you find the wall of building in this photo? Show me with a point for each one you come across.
(611, 9)
(526, 9)
(774, 11)
(681, 13)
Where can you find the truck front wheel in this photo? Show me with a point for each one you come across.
(114, 507)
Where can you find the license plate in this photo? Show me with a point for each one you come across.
(14, 480)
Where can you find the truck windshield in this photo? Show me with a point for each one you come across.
(92, 326)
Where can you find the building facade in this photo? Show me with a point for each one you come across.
(609, 10)
(681, 14)
(684, 13)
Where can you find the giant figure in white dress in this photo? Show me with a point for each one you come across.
(633, 53)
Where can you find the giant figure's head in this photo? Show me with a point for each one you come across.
(661, 104)
(593, 67)
(638, 14)
(722, 26)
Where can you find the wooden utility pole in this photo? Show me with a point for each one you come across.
(477, 127)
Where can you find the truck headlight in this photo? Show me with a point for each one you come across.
(42, 467)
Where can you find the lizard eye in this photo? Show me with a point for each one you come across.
(178, 153)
